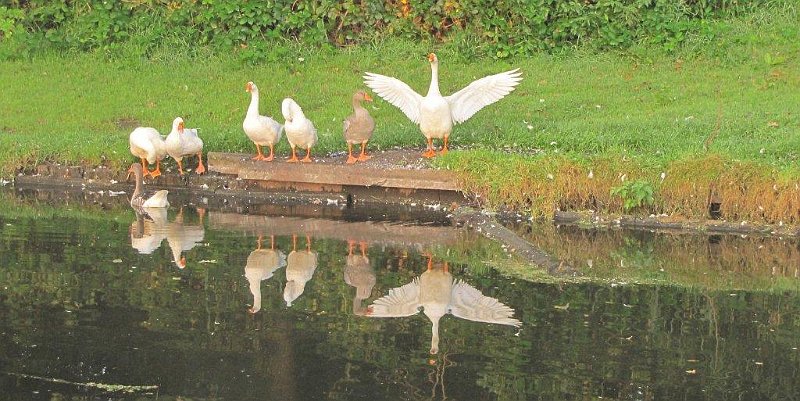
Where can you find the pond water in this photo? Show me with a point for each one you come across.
(285, 303)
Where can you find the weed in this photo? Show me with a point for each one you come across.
(634, 194)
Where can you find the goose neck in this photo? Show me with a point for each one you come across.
(434, 88)
(252, 110)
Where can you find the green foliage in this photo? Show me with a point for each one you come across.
(634, 193)
(504, 29)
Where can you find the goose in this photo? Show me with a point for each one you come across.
(300, 267)
(183, 237)
(147, 234)
(260, 266)
(147, 144)
(358, 273)
(159, 199)
(436, 114)
(300, 130)
(437, 293)
(262, 130)
(358, 127)
(183, 141)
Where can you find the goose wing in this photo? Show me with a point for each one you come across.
(401, 301)
(397, 93)
(481, 93)
(468, 303)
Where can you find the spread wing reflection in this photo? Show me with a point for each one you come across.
(437, 293)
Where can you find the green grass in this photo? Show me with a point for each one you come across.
(737, 87)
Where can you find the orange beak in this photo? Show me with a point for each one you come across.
(183, 262)
(367, 97)
(431, 57)
(248, 87)
(130, 171)
(181, 126)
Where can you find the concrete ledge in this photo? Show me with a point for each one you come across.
(332, 175)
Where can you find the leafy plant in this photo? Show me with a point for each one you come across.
(505, 29)
(634, 194)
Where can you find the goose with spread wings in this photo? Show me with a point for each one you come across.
(437, 294)
(436, 114)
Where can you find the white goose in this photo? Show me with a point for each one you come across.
(183, 141)
(147, 144)
(300, 130)
(300, 267)
(262, 130)
(148, 234)
(437, 294)
(183, 237)
(436, 114)
(261, 265)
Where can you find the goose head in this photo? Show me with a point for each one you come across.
(433, 59)
(178, 125)
(291, 110)
(251, 87)
(361, 96)
(136, 170)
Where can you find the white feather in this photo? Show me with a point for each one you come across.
(396, 92)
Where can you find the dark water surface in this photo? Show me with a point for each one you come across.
(91, 294)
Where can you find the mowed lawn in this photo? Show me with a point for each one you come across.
(739, 95)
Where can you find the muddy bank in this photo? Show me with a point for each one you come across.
(409, 182)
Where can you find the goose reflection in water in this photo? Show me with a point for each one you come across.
(437, 293)
(183, 237)
(261, 264)
(358, 273)
(152, 227)
(300, 267)
(149, 229)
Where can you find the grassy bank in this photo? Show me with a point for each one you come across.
(718, 117)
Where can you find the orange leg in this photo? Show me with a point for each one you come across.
(308, 243)
(430, 152)
(307, 159)
(157, 172)
(430, 262)
(363, 156)
(260, 155)
(363, 248)
(294, 158)
(258, 243)
(272, 242)
(444, 148)
(144, 164)
(294, 242)
(180, 166)
(350, 158)
(271, 154)
(200, 168)
(350, 244)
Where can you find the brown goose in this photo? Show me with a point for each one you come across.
(159, 199)
(358, 127)
(358, 273)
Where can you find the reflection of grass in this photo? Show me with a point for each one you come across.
(33, 208)
(712, 262)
